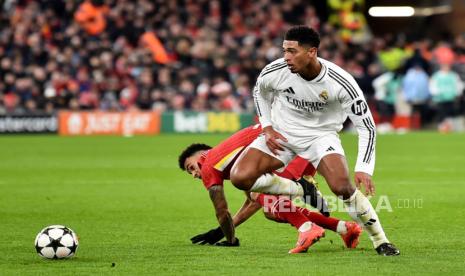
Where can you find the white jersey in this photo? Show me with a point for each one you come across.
(304, 110)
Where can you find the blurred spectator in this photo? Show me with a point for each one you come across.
(446, 87)
(393, 55)
(444, 54)
(415, 86)
(387, 90)
(91, 16)
(347, 16)
(201, 55)
(418, 61)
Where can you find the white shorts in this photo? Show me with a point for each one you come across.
(317, 149)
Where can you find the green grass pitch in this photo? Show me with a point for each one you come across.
(131, 206)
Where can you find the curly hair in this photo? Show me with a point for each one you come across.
(189, 151)
(303, 35)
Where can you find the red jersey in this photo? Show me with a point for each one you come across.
(216, 163)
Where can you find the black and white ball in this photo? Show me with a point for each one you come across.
(56, 242)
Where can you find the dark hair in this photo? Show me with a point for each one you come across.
(303, 35)
(189, 151)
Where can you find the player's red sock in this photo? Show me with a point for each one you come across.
(283, 209)
(286, 174)
(292, 217)
(325, 222)
(270, 199)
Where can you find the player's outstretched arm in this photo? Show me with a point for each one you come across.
(366, 152)
(357, 109)
(222, 213)
(248, 209)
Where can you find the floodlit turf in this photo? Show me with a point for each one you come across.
(131, 206)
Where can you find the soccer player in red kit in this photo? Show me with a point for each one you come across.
(213, 165)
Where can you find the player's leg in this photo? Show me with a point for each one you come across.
(327, 155)
(314, 197)
(281, 209)
(302, 171)
(253, 171)
(250, 166)
(334, 169)
(297, 168)
(350, 231)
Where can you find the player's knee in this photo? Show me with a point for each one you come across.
(342, 187)
(243, 179)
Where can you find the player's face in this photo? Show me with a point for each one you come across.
(192, 166)
(296, 56)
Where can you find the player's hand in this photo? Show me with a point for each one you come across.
(210, 237)
(226, 243)
(365, 179)
(272, 137)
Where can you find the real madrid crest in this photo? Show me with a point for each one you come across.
(324, 95)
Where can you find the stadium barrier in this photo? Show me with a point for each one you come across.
(28, 124)
(68, 123)
(108, 123)
(205, 122)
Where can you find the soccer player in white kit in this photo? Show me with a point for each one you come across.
(302, 102)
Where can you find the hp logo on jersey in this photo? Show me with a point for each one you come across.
(359, 108)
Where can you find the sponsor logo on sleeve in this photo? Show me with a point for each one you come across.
(359, 108)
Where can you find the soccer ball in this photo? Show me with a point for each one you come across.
(56, 242)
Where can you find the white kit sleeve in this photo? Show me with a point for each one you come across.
(263, 99)
(356, 107)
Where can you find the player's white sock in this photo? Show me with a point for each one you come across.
(306, 226)
(276, 185)
(341, 227)
(361, 210)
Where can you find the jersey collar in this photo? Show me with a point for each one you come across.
(202, 158)
(321, 76)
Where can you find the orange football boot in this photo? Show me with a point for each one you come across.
(351, 238)
(308, 238)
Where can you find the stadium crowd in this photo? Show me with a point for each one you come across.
(202, 55)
